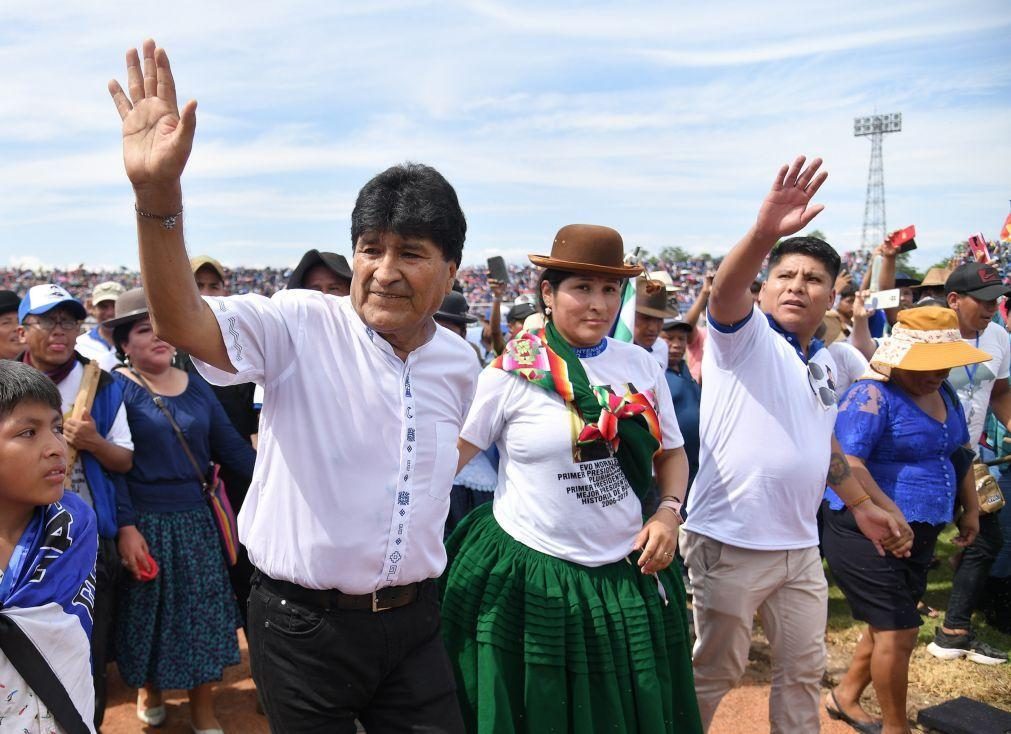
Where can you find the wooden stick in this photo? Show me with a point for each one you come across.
(83, 402)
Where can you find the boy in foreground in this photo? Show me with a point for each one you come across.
(48, 544)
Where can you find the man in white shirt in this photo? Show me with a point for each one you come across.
(363, 406)
(767, 446)
(96, 343)
(972, 291)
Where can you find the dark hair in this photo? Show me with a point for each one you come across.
(755, 287)
(555, 278)
(811, 247)
(121, 335)
(929, 301)
(20, 383)
(411, 199)
(849, 291)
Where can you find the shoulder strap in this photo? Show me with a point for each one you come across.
(33, 667)
(201, 477)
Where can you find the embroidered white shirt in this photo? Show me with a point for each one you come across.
(357, 448)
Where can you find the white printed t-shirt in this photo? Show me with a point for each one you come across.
(974, 395)
(765, 440)
(357, 448)
(558, 498)
(119, 433)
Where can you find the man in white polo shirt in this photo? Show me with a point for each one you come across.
(767, 446)
(364, 401)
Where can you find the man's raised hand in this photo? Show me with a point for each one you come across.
(787, 208)
(157, 137)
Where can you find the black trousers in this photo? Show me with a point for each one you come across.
(107, 571)
(970, 579)
(317, 670)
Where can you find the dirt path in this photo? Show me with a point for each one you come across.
(743, 711)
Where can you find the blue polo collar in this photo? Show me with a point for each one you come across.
(791, 338)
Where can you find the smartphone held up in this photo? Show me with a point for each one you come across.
(903, 239)
(497, 269)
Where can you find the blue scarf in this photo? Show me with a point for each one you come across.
(48, 592)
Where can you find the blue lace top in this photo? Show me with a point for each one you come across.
(906, 451)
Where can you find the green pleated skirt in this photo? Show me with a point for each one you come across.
(543, 645)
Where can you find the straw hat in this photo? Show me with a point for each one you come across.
(935, 277)
(833, 328)
(924, 339)
(587, 248)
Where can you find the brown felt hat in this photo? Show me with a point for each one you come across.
(587, 248)
(651, 299)
(934, 278)
(131, 306)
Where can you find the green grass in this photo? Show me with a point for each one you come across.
(937, 680)
(938, 591)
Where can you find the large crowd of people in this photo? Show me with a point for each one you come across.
(454, 516)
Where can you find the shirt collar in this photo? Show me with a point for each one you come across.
(97, 336)
(376, 339)
(794, 342)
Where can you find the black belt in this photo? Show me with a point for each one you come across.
(380, 600)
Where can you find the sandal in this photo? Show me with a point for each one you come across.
(867, 727)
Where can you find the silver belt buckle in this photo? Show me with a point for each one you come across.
(375, 603)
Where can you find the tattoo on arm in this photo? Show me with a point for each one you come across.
(838, 469)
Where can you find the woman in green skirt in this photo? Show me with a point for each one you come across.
(559, 611)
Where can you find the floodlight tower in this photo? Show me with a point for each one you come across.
(875, 127)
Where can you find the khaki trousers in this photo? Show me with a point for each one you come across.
(789, 592)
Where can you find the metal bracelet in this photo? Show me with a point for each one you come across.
(168, 222)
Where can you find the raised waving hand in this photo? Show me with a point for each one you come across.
(157, 136)
(787, 208)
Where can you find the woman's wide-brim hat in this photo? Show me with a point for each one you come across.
(131, 306)
(588, 248)
(924, 339)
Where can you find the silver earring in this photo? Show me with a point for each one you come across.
(547, 310)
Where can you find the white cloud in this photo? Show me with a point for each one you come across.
(664, 121)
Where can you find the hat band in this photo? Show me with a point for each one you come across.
(925, 336)
(895, 348)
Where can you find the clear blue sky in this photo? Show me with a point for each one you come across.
(663, 120)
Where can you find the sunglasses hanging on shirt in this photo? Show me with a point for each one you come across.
(822, 384)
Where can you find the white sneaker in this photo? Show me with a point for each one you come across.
(154, 716)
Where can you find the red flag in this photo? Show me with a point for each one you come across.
(1005, 234)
